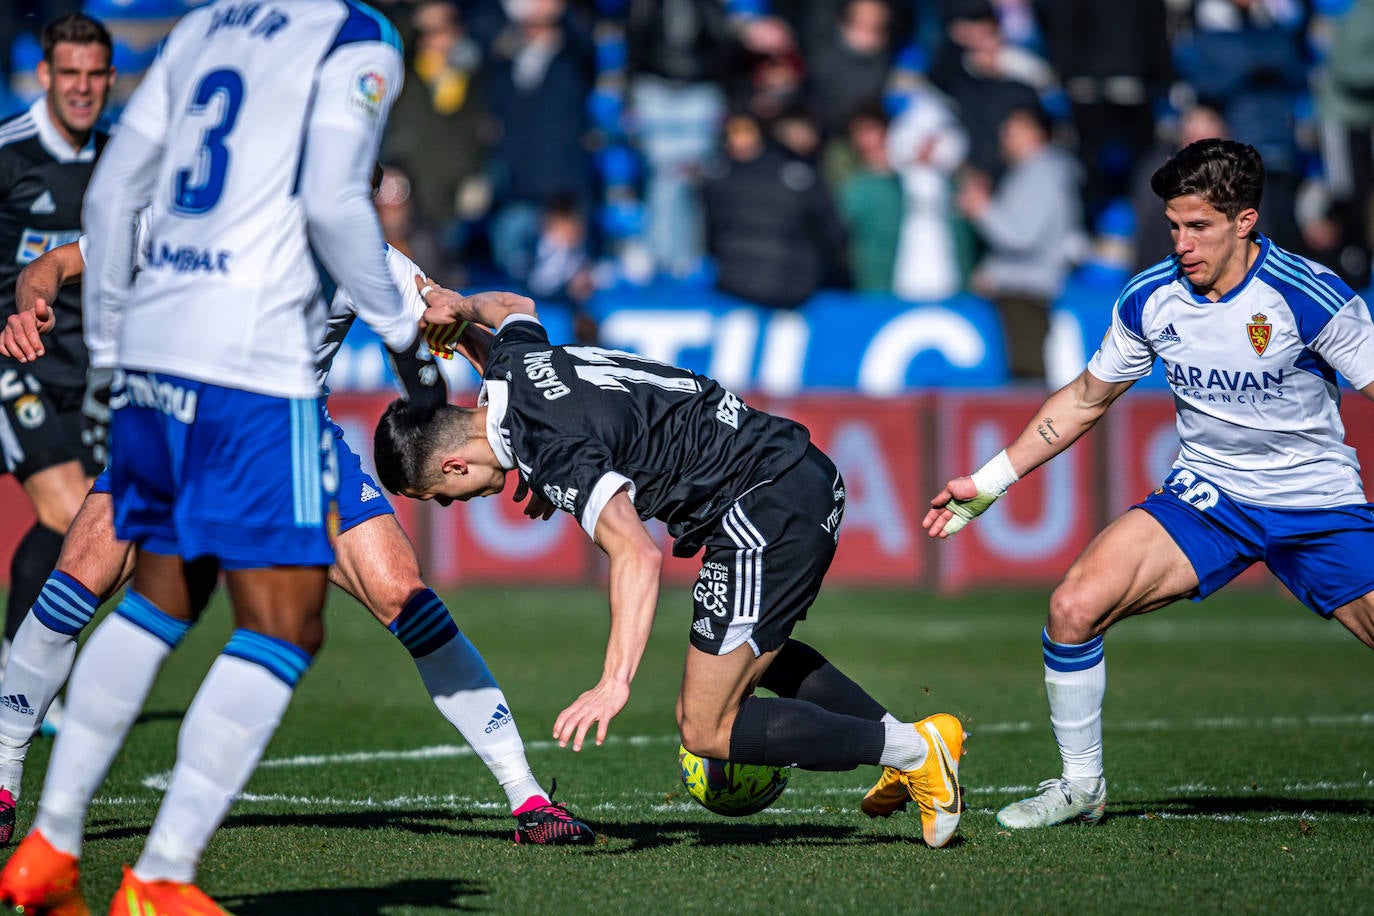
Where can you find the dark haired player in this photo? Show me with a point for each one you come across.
(1251, 338)
(613, 439)
(46, 156)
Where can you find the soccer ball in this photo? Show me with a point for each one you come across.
(731, 789)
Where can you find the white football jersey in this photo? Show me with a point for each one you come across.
(1253, 375)
(229, 291)
(343, 309)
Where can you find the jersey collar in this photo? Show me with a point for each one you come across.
(52, 138)
(1264, 244)
(495, 397)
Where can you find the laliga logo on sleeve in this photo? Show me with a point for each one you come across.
(1259, 330)
(368, 89)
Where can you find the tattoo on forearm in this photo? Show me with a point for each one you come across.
(1047, 431)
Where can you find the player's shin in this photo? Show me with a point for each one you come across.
(1076, 683)
(34, 559)
(465, 692)
(40, 660)
(801, 673)
(783, 732)
(109, 684)
(227, 728)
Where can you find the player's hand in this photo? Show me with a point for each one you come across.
(442, 306)
(22, 338)
(538, 506)
(959, 503)
(599, 705)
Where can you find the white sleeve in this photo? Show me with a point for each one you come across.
(1347, 343)
(1122, 355)
(357, 85)
(121, 185)
(403, 271)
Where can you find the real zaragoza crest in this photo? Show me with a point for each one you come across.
(1259, 329)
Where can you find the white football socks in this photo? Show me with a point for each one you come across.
(903, 747)
(227, 728)
(109, 684)
(1076, 715)
(480, 713)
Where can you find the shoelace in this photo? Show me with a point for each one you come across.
(553, 808)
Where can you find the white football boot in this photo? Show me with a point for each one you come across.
(1059, 800)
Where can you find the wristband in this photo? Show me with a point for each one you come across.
(996, 475)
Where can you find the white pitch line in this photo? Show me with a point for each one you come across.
(777, 811)
(158, 781)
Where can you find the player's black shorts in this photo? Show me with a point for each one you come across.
(766, 557)
(43, 426)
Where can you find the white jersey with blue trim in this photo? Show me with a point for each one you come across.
(1254, 375)
(228, 291)
(343, 309)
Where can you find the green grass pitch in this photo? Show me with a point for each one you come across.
(1239, 743)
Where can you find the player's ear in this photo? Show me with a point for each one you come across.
(44, 74)
(455, 464)
(1246, 220)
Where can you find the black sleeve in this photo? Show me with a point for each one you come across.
(422, 384)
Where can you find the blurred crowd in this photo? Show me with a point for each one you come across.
(772, 148)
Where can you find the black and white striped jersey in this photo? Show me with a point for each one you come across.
(583, 423)
(42, 182)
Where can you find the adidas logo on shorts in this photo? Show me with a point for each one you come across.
(703, 627)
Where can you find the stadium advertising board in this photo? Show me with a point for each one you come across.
(1032, 534)
(894, 454)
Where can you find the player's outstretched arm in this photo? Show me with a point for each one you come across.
(489, 309)
(1061, 420)
(34, 292)
(635, 562)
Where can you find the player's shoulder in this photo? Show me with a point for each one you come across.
(361, 23)
(522, 329)
(1307, 287)
(16, 129)
(1138, 291)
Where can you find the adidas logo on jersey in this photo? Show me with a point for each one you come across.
(498, 718)
(19, 703)
(703, 627)
(1169, 334)
(369, 492)
(44, 204)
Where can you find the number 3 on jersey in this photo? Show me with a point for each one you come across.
(197, 189)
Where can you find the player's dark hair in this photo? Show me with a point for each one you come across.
(77, 29)
(409, 439)
(1227, 174)
(404, 443)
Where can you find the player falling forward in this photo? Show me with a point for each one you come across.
(51, 437)
(250, 142)
(1251, 338)
(374, 562)
(613, 439)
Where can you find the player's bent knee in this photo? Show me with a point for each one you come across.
(705, 735)
(1075, 615)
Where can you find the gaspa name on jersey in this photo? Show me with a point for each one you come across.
(188, 259)
(1224, 385)
(155, 394)
(539, 369)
